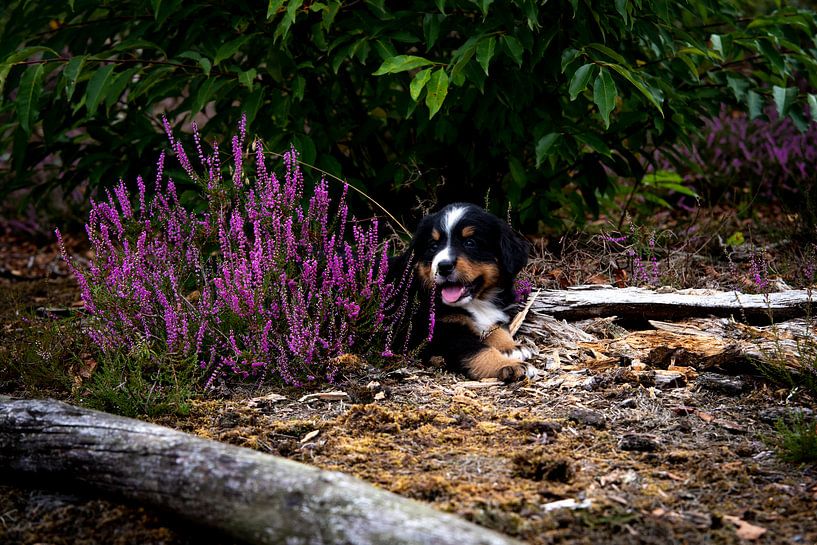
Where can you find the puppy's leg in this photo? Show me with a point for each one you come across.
(494, 356)
(501, 339)
(491, 363)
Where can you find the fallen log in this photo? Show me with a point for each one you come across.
(251, 496)
(582, 302)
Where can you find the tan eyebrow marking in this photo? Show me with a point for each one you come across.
(435, 234)
(468, 231)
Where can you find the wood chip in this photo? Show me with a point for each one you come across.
(477, 384)
(380, 396)
(310, 436)
(744, 529)
(267, 399)
(569, 503)
(326, 396)
(519, 318)
(669, 379)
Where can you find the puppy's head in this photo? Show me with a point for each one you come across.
(467, 254)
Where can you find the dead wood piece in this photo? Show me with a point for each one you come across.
(665, 380)
(254, 497)
(721, 383)
(581, 302)
(588, 417)
(772, 415)
(639, 442)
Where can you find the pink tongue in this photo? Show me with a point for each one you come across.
(452, 294)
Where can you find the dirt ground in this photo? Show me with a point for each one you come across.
(596, 449)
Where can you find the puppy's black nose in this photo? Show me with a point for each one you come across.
(444, 268)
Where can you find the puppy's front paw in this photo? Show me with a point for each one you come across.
(516, 371)
(512, 373)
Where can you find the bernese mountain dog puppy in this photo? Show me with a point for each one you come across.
(463, 262)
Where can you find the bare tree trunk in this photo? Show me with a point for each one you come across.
(255, 497)
(582, 302)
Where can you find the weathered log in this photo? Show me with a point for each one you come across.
(581, 302)
(251, 496)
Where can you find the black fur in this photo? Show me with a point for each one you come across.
(491, 255)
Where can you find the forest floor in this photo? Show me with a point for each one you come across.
(594, 450)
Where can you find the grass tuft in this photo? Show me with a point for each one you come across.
(797, 439)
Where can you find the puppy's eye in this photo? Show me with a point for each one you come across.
(469, 243)
(433, 245)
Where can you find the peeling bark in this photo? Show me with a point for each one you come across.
(254, 497)
(583, 302)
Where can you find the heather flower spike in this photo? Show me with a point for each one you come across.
(288, 288)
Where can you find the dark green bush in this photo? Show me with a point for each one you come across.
(548, 102)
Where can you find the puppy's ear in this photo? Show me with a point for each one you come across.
(514, 250)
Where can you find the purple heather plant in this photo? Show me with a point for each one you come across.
(263, 283)
(769, 156)
(645, 269)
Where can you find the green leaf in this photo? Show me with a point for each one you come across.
(401, 63)
(568, 56)
(431, 29)
(96, 86)
(114, 90)
(485, 50)
(604, 95)
(291, 13)
(247, 77)
(419, 81)
(16, 57)
(544, 145)
(601, 48)
(440, 5)
(329, 14)
(162, 9)
(298, 88)
(203, 62)
(655, 199)
(514, 48)
(800, 121)
(378, 5)
(621, 8)
(273, 7)
(812, 106)
(202, 96)
(518, 174)
(437, 91)
(784, 98)
(738, 85)
(70, 74)
(457, 77)
(252, 102)
(593, 142)
(229, 49)
(736, 239)
(580, 79)
(755, 103)
(629, 76)
(717, 44)
(28, 96)
(483, 5)
(772, 55)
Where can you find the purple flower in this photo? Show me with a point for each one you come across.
(255, 285)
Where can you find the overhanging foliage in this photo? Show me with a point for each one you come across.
(544, 102)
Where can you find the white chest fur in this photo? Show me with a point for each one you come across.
(485, 313)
